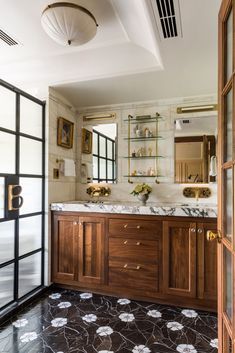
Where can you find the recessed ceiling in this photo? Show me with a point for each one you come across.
(126, 61)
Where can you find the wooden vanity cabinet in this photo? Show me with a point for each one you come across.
(162, 259)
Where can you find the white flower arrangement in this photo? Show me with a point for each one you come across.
(214, 343)
(174, 326)
(154, 313)
(89, 318)
(86, 295)
(55, 296)
(141, 349)
(64, 305)
(104, 331)
(126, 317)
(186, 348)
(28, 336)
(123, 301)
(189, 313)
(20, 323)
(59, 322)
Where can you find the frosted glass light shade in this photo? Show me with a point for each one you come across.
(68, 24)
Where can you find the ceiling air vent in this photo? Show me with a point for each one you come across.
(7, 39)
(167, 15)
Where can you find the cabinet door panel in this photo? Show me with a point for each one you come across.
(179, 258)
(206, 263)
(91, 250)
(64, 249)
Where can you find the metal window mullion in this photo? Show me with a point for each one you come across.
(43, 196)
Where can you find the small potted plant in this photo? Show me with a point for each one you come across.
(142, 191)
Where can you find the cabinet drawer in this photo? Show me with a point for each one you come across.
(135, 227)
(133, 275)
(134, 249)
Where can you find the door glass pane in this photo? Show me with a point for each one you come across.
(102, 168)
(6, 284)
(30, 117)
(30, 156)
(228, 203)
(95, 167)
(110, 149)
(228, 283)
(227, 342)
(102, 146)
(228, 128)
(8, 108)
(7, 153)
(7, 232)
(229, 46)
(110, 170)
(29, 273)
(2, 197)
(30, 234)
(95, 143)
(32, 195)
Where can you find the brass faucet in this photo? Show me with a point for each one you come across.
(95, 191)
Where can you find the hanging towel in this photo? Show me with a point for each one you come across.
(69, 167)
(213, 166)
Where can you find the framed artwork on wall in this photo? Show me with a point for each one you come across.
(65, 133)
(86, 141)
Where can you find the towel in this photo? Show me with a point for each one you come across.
(213, 166)
(69, 167)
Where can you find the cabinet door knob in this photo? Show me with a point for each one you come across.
(138, 243)
(138, 227)
(125, 242)
(125, 225)
(199, 230)
(74, 223)
(193, 230)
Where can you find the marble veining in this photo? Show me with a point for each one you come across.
(67, 321)
(180, 210)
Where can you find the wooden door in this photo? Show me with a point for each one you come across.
(206, 263)
(226, 162)
(179, 258)
(64, 245)
(91, 250)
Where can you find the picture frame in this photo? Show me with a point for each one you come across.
(65, 129)
(86, 141)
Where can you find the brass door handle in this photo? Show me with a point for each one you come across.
(214, 235)
(14, 192)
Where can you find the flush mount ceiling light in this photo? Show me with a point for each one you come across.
(68, 24)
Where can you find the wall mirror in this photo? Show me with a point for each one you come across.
(195, 149)
(100, 162)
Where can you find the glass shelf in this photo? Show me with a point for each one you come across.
(144, 120)
(143, 176)
(144, 157)
(153, 138)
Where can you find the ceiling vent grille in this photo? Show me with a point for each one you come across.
(7, 39)
(167, 15)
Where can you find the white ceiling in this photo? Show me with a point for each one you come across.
(125, 62)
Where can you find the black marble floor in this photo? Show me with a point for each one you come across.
(75, 322)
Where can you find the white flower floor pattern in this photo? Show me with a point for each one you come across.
(66, 321)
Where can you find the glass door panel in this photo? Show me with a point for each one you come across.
(29, 273)
(6, 284)
(30, 117)
(228, 203)
(7, 153)
(7, 239)
(2, 197)
(229, 128)
(228, 303)
(227, 342)
(30, 230)
(32, 194)
(229, 46)
(30, 156)
(7, 109)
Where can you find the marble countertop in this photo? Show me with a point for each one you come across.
(157, 209)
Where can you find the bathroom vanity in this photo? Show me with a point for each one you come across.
(154, 253)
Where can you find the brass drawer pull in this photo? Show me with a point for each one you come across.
(132, 268)
(138, 243)
(125, 242)
(193, 230)
(199, 230)
(126, 226)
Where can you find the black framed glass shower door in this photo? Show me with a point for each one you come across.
(22, 195)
